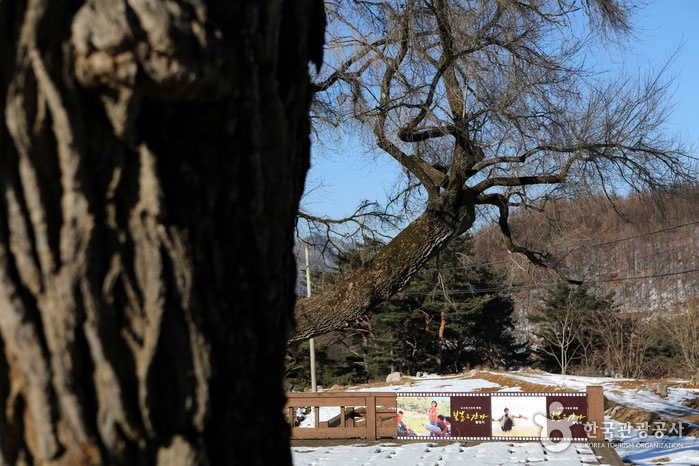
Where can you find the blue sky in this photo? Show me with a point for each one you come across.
(342, 175)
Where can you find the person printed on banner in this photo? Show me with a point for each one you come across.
(507, 422)
(447, 420)
(432, 413)
(402, 430)
(440, 429)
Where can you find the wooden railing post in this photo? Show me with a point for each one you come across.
(595, 412)
(370, 401)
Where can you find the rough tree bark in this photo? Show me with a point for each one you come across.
(152, 155)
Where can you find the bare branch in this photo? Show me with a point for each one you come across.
(540, 259)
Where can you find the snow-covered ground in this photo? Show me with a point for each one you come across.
(484, 454)
(647, 450)
(635, 447)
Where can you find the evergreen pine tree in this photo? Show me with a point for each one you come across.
(451, 317)
(454, 315)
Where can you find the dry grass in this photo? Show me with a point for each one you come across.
(505, 381)
(650, 384)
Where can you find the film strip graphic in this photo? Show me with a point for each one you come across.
(507, 416)
(488, 394)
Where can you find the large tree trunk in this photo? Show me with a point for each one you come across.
(389, 271)
(152, 154)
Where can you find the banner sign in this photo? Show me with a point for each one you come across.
(492, 416)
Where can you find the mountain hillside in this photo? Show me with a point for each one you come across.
(643, 248)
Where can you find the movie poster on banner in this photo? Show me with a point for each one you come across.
(514, 416)
(492, 416)
(471, 416)
(566, 415)
(423, 415)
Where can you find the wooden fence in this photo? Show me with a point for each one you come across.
(372, 415)
(368, 415)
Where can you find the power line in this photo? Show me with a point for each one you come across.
(646, 277)
(516, 288)
(594, 245)
(640, 235)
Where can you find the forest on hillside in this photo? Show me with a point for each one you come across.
(476, 305)
(643, 247)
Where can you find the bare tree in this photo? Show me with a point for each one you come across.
(558, 335)
(622, 342)
(487, 106)
(152, 156)
(683, 326)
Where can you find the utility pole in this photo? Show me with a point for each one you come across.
(312, 342)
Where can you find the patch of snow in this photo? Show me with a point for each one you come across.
(573, 382)
(325, 413)
(652, 402)
(434, 384)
